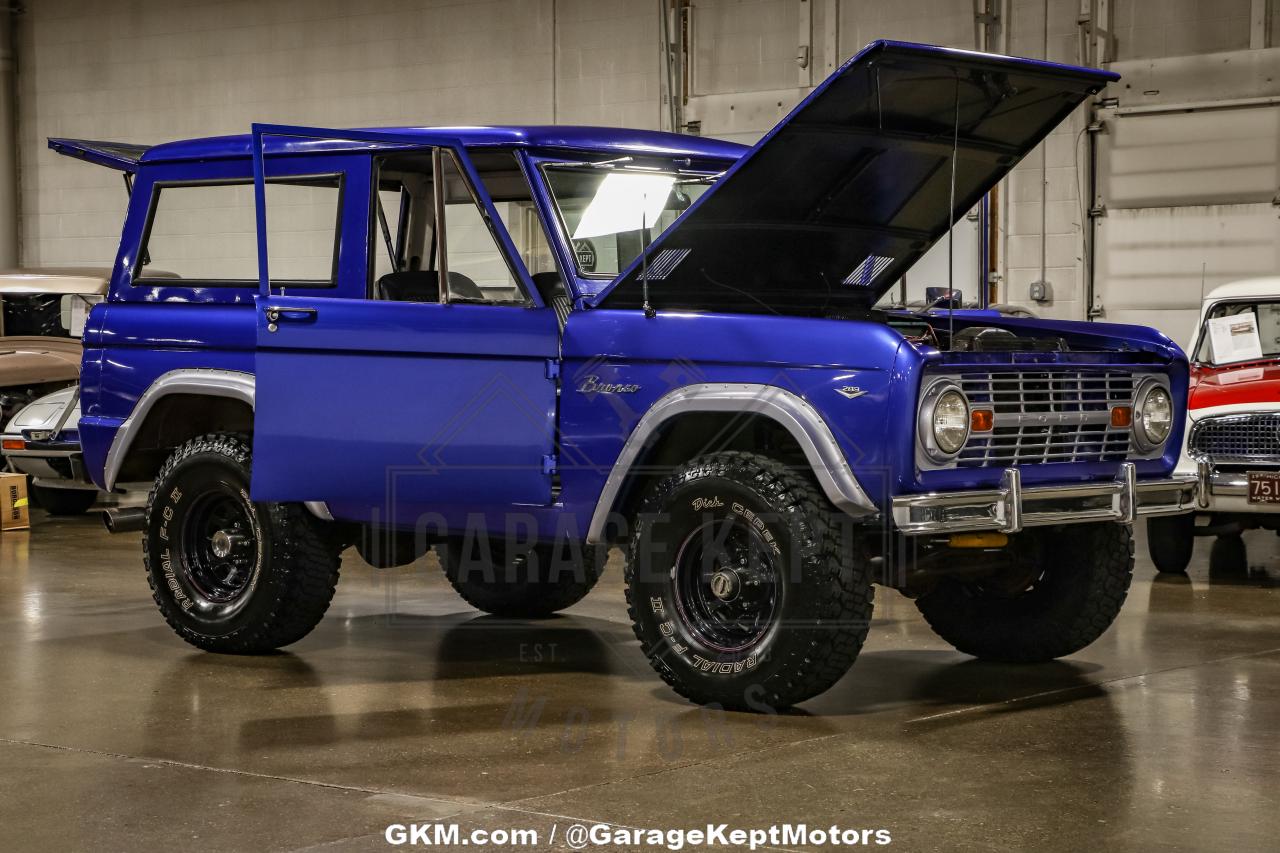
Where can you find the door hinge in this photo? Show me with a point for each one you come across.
(553, 368)
(549, 465)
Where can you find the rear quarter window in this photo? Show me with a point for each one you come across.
(207, 233)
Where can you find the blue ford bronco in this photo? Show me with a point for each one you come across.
(522, 345)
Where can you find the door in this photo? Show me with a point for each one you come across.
(396, 395)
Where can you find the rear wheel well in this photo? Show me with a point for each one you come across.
(687, 436)
(174, 420)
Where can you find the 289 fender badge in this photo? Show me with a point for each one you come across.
(593, 385)
(849, 392)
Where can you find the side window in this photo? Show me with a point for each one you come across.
(509, 190)
(208, 233)
(406, 243)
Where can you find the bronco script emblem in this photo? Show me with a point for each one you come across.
(593, 385)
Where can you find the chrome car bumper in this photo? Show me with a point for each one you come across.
(38, 461)
(1226, 491)
(1011, 507)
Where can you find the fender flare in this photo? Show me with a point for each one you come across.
(209, 382)
(792, 412)
(202, 381)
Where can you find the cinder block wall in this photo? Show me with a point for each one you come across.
(152, 70)
(155, 70)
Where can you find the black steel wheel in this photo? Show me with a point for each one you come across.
(741, 588)
(728, 585)
(218, 547)
(229, 574)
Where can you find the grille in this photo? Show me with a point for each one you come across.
(1238, 439)
(1047, 416)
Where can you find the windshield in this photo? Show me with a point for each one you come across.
(605, 212)
(1239, 331)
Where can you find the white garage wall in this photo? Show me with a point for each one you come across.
(1189, 192)
(150, 70)
(752, 91)
(155, 70)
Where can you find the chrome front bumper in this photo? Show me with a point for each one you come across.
(1011, 507)
(1226, 491)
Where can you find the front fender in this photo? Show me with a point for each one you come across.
(801, 420)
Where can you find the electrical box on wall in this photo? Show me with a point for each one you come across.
(1041, 291)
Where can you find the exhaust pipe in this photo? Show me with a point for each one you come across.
(124, 519)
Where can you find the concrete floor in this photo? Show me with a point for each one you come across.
(406, 705)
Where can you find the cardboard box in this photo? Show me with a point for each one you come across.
(15, 513)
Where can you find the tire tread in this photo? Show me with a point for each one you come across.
(305, 553)
(829, 653)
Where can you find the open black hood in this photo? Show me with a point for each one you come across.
(834, 204)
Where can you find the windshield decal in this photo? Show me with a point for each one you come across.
(867, 271)
(665, 262)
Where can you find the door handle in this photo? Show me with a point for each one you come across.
(276, 315)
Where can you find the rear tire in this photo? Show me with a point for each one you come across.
(1170, 540)
(64, 501)
(741, 590)
(527, 582)
(230, 575)
(1080, 575)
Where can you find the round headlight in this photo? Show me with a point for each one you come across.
(950, 421)
(1153, 418)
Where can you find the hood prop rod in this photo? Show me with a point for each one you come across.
(951, 227)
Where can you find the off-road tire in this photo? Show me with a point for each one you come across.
(1170, 540)
(535, 581)
(295, 557)
(63, 501)
(821, 591)
(1085, 572)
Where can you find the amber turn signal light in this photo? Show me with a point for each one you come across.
(1121, 416)
(981, 420)
(978, 540)
(14, 444)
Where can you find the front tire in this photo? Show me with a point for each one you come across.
(521, 583)
(63, 501)
(740, 589)
(1170, 540)
(230, 575)
(1076, 580)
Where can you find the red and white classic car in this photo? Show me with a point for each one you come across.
(1233, 425)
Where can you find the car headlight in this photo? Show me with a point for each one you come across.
(1152, 416)
(944, 421)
